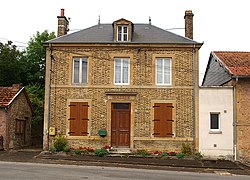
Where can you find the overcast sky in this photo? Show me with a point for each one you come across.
(223, 25)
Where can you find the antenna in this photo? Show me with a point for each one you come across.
(99, 20)
(149, 20)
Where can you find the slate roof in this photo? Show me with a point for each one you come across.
(238, 63)
(143, 33)
(8, 94)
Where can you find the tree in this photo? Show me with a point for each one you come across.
(36, 57)
(36, 79)
(27, 68)
(13, 65)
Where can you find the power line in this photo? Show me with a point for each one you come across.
(15, 41)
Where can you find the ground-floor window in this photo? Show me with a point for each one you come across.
(163, 119)
(78, 121)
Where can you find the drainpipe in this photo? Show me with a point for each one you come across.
(194, 98)
(235, 120)
(49, 90)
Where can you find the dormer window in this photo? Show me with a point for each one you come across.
(123, 30)
(122, 34)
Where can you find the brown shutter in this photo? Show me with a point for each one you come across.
(78, 119)
(157, 120)
(84, 118)
(169, 120)
(73, 120)
(163, 119)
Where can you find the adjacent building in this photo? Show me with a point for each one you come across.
(15, 117)
(216, 121)
(233, 69)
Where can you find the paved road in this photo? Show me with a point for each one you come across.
(20, 171)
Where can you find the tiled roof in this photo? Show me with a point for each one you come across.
(238, 63)
(7, 94)
(143, 33)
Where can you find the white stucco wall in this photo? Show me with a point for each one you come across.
(216, 100)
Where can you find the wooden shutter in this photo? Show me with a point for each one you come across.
(78, 121)
(163, 119)
(83, 118)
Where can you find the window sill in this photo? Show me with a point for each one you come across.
(79, 84)
(215, 132)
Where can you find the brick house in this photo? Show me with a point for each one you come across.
(15, 117)
(233, 69)
(127, 85)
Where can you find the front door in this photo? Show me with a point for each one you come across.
(120, 125)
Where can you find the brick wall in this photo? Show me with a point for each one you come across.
(142, 75)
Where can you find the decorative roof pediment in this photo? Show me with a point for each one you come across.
(122, 21)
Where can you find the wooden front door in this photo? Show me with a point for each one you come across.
(120, 125)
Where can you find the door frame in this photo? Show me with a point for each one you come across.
(109, 110)
(117, 142)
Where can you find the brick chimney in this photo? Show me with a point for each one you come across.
(189, 24)
(63, 24)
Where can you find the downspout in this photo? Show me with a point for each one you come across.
(194, 98)
(49, 91)
(235, 119)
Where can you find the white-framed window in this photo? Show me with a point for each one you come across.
(80, 70)
(163, 71)
(122, 33)
(121, 72)
(214, 121)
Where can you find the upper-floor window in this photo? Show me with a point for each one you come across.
(80, 70)
(122, 71)
(163, 71)
(122, 34)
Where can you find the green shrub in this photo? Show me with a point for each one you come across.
(198, 156)
(52, 149)
(66, 149)
(101, 152)
(165, 154)
(78, 151)
(180, 155)
(60, 143)
(186, 149)
(143, 153)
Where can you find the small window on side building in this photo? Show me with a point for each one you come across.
(214, 122)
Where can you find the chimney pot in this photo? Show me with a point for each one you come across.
(189, 24)
(62, 12)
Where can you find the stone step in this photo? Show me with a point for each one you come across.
(120, 151)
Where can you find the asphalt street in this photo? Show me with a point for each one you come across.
(28, 171)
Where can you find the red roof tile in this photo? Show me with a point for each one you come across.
(7, 94)
(237, 62)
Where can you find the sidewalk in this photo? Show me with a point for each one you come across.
(37, 156)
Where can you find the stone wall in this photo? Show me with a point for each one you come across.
(19, 109)
(142, 83)
(243, 119)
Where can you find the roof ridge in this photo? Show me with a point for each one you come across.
(231, 51)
